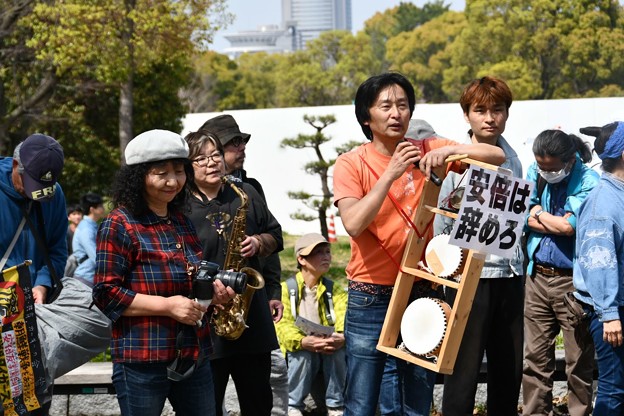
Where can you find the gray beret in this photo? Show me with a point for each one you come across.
(156, 145)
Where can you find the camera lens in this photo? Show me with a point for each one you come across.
(236, 280)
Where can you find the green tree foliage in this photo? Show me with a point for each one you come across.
(543, 48)
(255, 82)
(403, 18)
(422, 54)
(60, 80)
(118, 40)
(327, 72)
(84, 119)
(213, 76)
(26, 84)
(317, 203)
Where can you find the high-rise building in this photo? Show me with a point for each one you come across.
(302, 21)
(311, 17)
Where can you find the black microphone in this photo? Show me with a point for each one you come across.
(433, 177)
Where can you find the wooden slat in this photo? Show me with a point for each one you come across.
(466, 287)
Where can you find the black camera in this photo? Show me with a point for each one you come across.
(208, 272)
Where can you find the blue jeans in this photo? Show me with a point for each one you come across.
(365, 364)
(302, 369)
(610, 396)
(143, 388)
(389, 397)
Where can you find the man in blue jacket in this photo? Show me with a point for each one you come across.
(28, 184)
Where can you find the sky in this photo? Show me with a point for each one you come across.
(249, 14)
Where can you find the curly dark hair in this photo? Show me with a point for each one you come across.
(129, 187)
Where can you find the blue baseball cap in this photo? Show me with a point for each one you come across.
(42, 158)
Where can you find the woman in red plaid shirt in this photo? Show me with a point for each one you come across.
(147, 252)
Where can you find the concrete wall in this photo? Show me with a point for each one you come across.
(280, 170)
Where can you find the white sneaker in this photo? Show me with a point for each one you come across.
(336, 411)
(293, 411)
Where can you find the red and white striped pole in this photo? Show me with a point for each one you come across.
(331, 230)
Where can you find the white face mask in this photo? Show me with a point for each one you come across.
(554, 177)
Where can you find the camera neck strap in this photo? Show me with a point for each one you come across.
(182, 367)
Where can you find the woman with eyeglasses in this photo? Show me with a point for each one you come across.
(562, 182)
(212, 207)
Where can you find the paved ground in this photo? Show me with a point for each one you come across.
(106, 405)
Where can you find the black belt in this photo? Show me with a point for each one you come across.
(551, 271)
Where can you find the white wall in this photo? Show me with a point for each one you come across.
(280, 170)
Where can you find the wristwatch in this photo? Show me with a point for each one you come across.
(538, 213)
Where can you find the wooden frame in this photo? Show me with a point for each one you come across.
(423, 218)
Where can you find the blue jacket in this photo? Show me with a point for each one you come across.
(581, 181)
(599, 266)
(54, 217)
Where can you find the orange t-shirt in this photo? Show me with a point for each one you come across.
(353, 179)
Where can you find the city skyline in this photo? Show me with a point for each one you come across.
(251, 15)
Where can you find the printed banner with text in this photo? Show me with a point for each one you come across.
(493, 211)
(22, 376)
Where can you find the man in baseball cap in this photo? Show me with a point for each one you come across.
(25, 180)
(305, 244)
(39, 161)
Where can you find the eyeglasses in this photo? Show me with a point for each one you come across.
(202, 161)
(237, 141)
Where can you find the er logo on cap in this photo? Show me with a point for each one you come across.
(43, 193)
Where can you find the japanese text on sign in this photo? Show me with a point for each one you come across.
(492, 213)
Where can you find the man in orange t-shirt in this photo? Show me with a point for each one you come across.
(363, 178)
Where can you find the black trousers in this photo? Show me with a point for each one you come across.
(251, 374)
(495, 326)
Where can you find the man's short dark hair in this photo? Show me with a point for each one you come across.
(90, 200)
(73, 208)
(368, 92)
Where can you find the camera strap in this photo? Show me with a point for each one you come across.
(181, 367)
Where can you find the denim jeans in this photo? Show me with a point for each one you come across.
(143, 388)
(365, 364)
(279, 383)
(610, 396)
(302, 369)
(389, 397)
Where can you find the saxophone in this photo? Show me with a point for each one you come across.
(230, 321)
